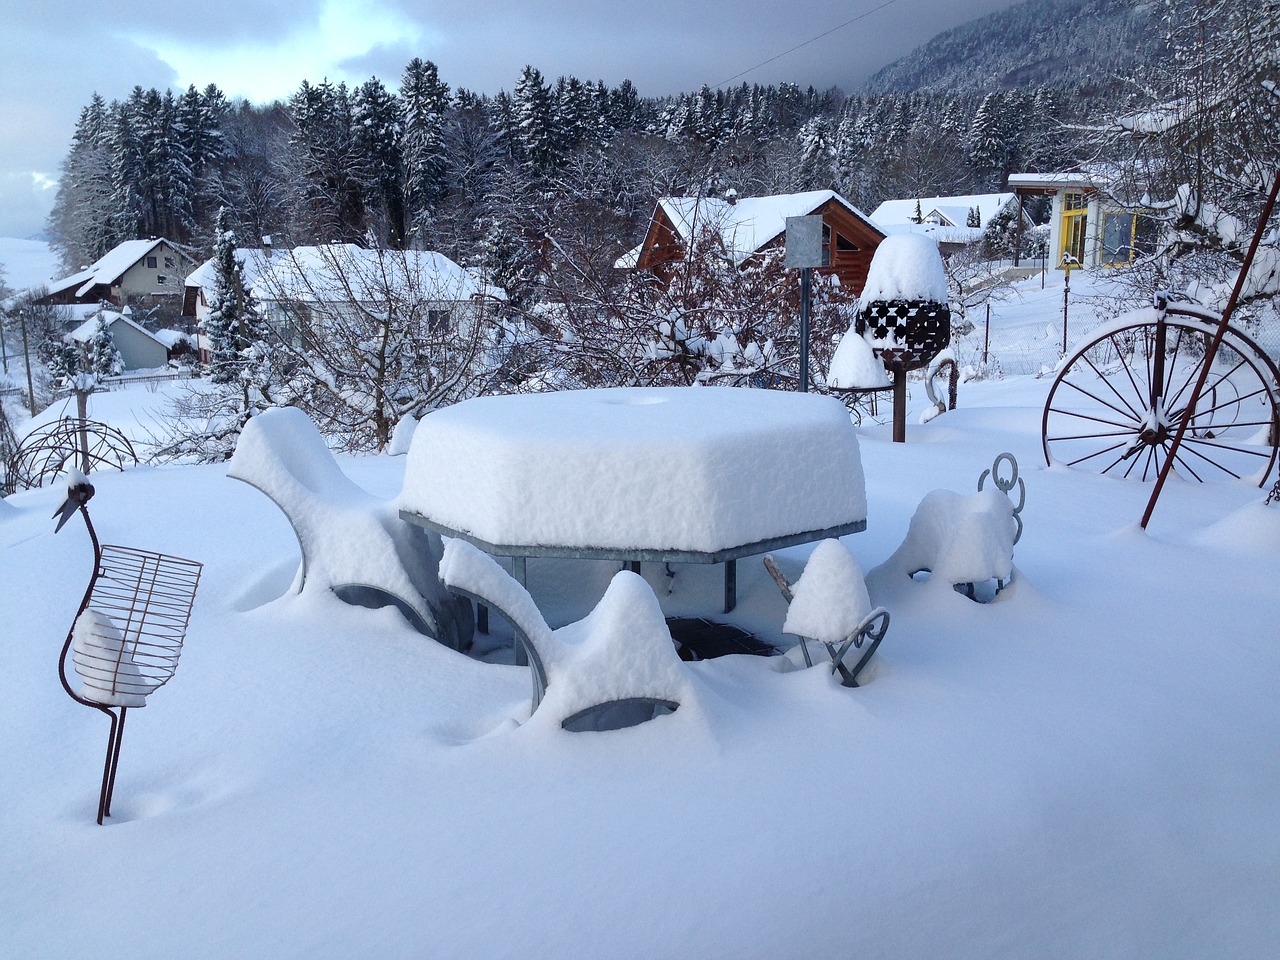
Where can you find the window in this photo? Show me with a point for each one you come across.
(151, 263)
(1074, 224)
(170, 263)
(162, 279)
(437, 320)
(1117, 238)
(845, 245)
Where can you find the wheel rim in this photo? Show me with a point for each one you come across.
(1118, 402)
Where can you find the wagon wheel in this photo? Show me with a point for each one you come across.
(1119, 399)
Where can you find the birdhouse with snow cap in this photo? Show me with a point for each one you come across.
(903, 312)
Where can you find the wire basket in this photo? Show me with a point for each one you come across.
(127, 640)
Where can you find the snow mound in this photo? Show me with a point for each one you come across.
(402, 435)
(105, 664)
(855, 366)
(1251, 529)
(830, 599)
(959, 538)
(621, 651)
(906, 266)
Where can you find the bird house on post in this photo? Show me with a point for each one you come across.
(804, 252)
(903, 313)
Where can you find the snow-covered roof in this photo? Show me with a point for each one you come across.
(936, 232)
(945, 211)
(252, 261)
(346, 273)
(1042, 181)
(749, 223)
(84, 332)
(107, 269)
(171, 338)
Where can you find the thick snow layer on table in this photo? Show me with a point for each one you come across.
(855, 366)
(906, 266)
(677, 468)
(830, 599)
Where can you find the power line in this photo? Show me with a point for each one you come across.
(827, 33)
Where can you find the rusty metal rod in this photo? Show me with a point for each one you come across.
(1212, 352)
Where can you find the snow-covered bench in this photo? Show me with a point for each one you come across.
(615, 668)
(830, 605)
(352, 542)
(963, 539)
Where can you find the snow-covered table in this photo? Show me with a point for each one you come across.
(673, 474)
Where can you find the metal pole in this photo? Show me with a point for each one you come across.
(1212, 352)
(26, 353)
(805, 292)
(986, 340)
(1066, 289)
(4, 346)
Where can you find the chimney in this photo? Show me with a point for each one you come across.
(731, 195)
(266, 245)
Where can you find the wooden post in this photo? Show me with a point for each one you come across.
(899, 402)
(82, 411)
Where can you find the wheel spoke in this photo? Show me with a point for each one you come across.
(1093, 436)
(1114, 446)
(1131, 425)
(1107, 380)
(1136, 416)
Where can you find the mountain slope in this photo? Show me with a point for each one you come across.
(1058, 43)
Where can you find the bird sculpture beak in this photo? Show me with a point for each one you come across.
(78, 494)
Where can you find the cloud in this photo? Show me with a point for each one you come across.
(342, 34)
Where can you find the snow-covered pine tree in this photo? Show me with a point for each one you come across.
(534, 113)
(378, 124)
(424, 100)
(234, 325)
(83, 223)
(104, 357)
(973, 218)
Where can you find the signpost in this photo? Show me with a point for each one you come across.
(804, 252)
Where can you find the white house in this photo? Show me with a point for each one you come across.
(304, 291)
(1087, 227)
(949, 221)
(135, 268)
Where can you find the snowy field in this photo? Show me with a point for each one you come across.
(1084, 768)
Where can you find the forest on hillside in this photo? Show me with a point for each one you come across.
(485, 179)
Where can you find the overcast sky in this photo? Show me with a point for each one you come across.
(54, 54)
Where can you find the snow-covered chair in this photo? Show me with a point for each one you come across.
(352, 542)
(830, 605)
(617, 667)
(963, 539)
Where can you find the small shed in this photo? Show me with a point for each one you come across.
(140, 349)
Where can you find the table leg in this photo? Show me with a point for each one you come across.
(633, 566)
(730, 585)
(482, 617)
(519, 570)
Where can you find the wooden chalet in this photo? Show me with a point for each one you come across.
(751, 225)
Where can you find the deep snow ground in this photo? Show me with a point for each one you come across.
(1084, 768)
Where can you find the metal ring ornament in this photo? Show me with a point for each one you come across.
(1006, 485)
